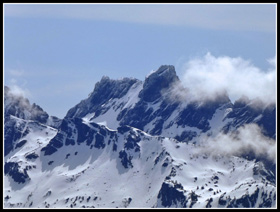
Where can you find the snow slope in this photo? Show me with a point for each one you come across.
(132, 169)
(131, 144)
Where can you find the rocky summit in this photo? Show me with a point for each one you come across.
(134, 144)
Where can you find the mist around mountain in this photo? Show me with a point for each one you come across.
(141, 144)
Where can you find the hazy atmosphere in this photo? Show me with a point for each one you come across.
(139, 106)
(55, 53)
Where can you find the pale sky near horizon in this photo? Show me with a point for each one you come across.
(55, 53)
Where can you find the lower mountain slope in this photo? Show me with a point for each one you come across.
(84, 165)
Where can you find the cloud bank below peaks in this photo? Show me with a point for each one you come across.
(248, 139)
(207, 77)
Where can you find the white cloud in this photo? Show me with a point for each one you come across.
(272, 62)
(246, 139)
(17, 83)
(18, 91)
(208, 76)
(256, 17)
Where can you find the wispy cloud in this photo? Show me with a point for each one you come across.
(16, 73)
(17, 83)
(246, 140)
(256, 17)
(19, 91)
(206, 77)
(272, 62)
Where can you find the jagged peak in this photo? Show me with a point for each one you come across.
(241, 102)
(104, 90)
(163, 70)
(11, 98)
(113, 86)
(106, 78)
(164, 77)
(19, 106)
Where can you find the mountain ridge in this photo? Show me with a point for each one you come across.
(145, 110)
(128, 145)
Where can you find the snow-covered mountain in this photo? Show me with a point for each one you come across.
(152, 106)
(135, 144)
(19, 114)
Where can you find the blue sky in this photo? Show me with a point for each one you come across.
(55, 53)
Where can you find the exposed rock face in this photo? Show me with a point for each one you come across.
(171, 196)
(129, 145)
(150, 106)
(19, 117)
(20, 107)
(247, 111)
(163, 78)
(104, 90)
